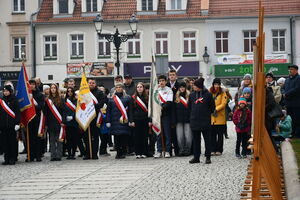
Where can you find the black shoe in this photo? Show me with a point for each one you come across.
(194, 161)
(207, 161)
(52, 159)
(226, 137)
(80, 155)
(86, 158)
(72, 158)
(5, 163)
(58, 159)
(12, 162)
(38, 160)
(95, 158)
(69, 158)
(31, 160)
(118, 157)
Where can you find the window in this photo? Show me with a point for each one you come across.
(147, 5)
(278, 37)
(63, 6)
(91, 5)
(161, 43)
(221, 42)
(176, 4)
(104, 47)
(19, 47)
(249, 40)
(50, 47)
(19, 5)
(134, 46)
(189, 43)
(77, 46)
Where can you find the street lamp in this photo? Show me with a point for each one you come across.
(205, 56)
(116, 37)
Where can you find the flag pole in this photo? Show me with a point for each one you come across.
(90, 142)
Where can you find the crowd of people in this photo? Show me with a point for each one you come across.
(188, 109)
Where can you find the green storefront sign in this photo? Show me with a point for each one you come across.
(239, 70)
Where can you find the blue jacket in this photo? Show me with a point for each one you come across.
(113, 116)
(292, 91)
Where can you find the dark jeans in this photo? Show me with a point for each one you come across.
(9, 143)
(94, 140)
(217, 138)
(121, 142)
(140, 137)
(103, 145)
(166, 134)
(197, 142)
(295, 115)
(241, 138)
(72, 139)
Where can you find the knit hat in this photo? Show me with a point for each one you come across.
(281, 80)
(247, 90)
(247, 76)
(199, 83)
(8, 88)
(242, 100)
(45, 87)
(216, 81)
(270, 75)
(182, 84)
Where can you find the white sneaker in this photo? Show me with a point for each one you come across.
(138, 156)
(143, 156)
(157, 155)
(167, 155)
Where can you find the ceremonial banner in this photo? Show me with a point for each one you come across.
(154, 105)
(85, 110)
(24, 96)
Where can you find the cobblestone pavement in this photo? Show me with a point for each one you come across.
(130, 178)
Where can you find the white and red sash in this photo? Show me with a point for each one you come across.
(99, 119)
(41, 129)
(95, 101)
(58, 117)
(121, 108)
(7, 109)
(160, 95)
(199, 100)
(184, 101)
(140, 103)
(70, 105)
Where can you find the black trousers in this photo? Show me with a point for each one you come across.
(94, 140)
(72, 139)
(295, 115)
(35, 142)
(217, 138)
(174, 140)
(103, 145)
(197, 142)
(121, 142)
(241, 138)
(10, 144)
(151, 142)
(140, 137)
(130, 142)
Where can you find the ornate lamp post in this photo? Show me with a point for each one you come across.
(116, 37)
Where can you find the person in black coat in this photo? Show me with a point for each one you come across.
(140, 120)
(72, 128)
(182, 120)
(202, 105)
(95, 131)
(118, 121)
(10, 120)
(55, 125)
(174, 85)
(35, 141)
(292, 98)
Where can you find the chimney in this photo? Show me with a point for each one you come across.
(204, 7)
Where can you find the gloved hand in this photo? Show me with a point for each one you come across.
(17, 127)
(149, 124)
(215, 113)
(132, 124)
(108, 125)
(69, 118)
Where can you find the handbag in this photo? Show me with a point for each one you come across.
(276, 111)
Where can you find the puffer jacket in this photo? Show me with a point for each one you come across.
(220, 102)
(237, 118)
(114, 114)
(285, 127)
(8, 121)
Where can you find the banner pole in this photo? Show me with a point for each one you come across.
(28, 145)
(90, 142)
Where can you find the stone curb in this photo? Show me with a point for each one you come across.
(290, 169)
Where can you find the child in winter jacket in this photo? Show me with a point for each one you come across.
(242, 120)
(284, 127)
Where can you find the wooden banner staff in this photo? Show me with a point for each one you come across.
(90, 142)
(28, 145)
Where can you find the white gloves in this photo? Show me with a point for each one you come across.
(69, 118)
(132, 124)
(17, 127)
(108, 125)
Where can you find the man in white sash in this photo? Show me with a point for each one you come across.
(166, 99)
